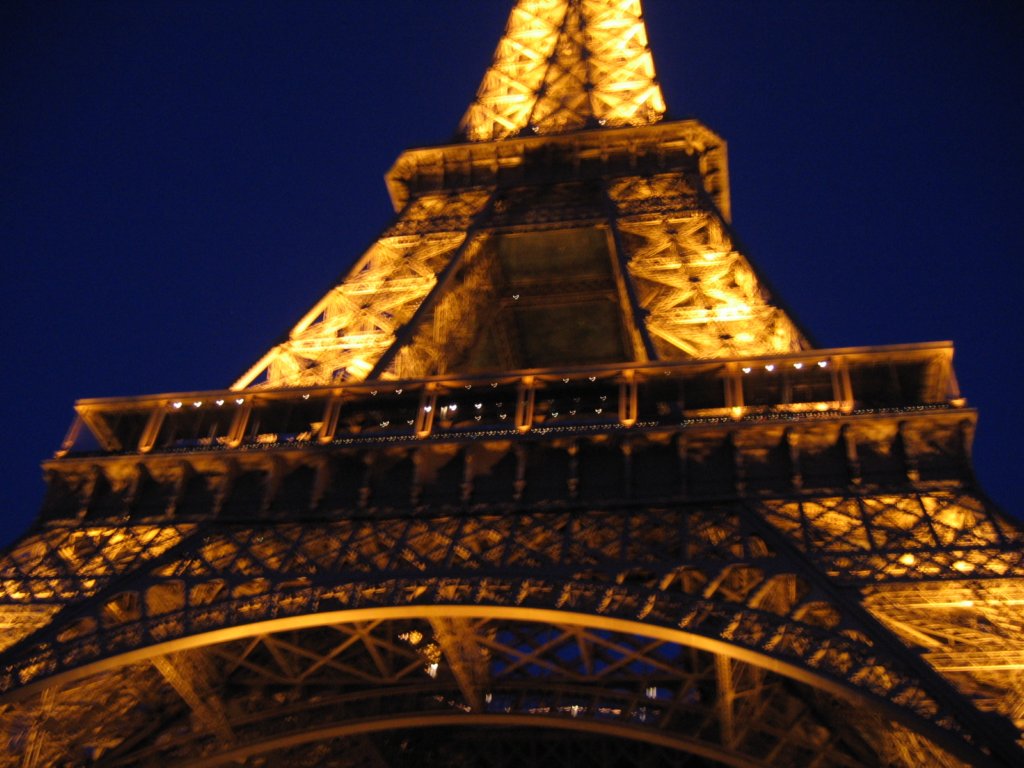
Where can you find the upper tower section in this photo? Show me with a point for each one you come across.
(571, 226)
(564, 65)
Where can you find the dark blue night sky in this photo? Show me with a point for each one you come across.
(180, 181)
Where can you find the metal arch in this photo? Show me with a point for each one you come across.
(608, 683)
(619, 563)
(690, 746)
(404, 564)
(443, 610)
(791, 669)
(612, 705)
(603, 562)
(348, 677)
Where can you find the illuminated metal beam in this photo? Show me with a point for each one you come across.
(465, 658)
(189, 674)
(563, 65)
(726, 695)
(35, 750)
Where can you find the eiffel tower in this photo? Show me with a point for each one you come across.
(551, 477)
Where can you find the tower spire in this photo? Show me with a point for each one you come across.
(563, 65)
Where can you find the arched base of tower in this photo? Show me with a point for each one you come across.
(435, 690)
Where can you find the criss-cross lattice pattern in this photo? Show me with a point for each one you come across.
(300, 687)
(705, 571)
(343, 336)
(563, 65)
(701, 297)
(49, 568)
(548, 478)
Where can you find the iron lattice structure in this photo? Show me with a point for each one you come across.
(549, 477)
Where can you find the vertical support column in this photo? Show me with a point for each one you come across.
(36, 740)
(466, 660)
(466, 487)
(842, 388)
(734, 390)
(628, 398)
(850, 448)
(223, 488)
(683, 455)
(792, 441)
(966, 442)
(726, 695)
(627, 468)
(152, 429)
(329, 427)
(739, 468)
(240, 422)
(425, 411)
(635, 315)
(272, 484)
(948, 378)
(953, 394)
(520, 482)
(190, 675)
(525, 395)
(573, 481)
(321, 483)
(910, 467)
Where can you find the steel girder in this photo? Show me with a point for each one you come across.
(567, 64)
(714, 578)
(816, 582)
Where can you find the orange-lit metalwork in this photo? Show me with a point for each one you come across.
(550, 477)
(666, 278)
(562, 66)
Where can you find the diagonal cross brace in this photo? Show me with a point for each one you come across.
(992, 733)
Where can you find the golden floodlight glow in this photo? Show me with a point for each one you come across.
(417, 299)
(593, 479)
(563, 65)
